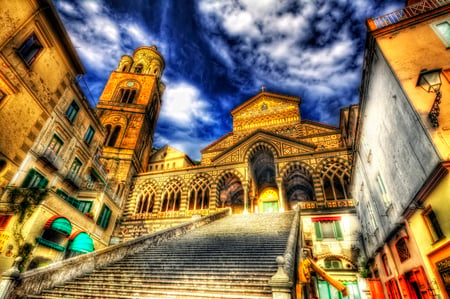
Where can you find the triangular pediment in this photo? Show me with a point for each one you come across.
(310, 128)
(284, 146)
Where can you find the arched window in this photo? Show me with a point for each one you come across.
(138, 68)
(126, 95)
(335, 180)
(199, 195)
(171, 197)
(333, 263)
(108, 133)
(113, 136)
(402, 250)
(145, 203)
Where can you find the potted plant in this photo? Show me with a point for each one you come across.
(89, 214)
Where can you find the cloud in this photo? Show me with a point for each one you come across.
(183, 106)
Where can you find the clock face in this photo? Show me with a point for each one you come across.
(130, 83)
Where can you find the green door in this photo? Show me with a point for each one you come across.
(270, 206)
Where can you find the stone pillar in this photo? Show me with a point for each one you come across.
(245, 187)
(280, 283)
(280, 194)
(9, 278)
(213, 200)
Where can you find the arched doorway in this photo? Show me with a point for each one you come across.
(268, 200)
(230, 193)
(261, 164)
(298, 186)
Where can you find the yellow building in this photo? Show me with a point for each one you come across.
(51, 138)
(403, 148)
(32, 41)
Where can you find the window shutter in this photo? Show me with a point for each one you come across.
(337, 226)
(43, 183)
(422, 282)
(404, 287)
(28, 178)
(318, 231)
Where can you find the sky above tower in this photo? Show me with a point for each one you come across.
(219, 53)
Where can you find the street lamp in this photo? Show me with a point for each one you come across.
(430, 81)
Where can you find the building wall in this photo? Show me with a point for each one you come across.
(31, 91)
(394, 149)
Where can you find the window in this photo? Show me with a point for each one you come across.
(372, 221)
(146, 202)
(72, 111)
(55, 144)
(333, 263)
(89, 135)
(138, 69)
(392, 289)
(387, 269)
(73, 201)
(328, 228)
(335, 180)
(328, 291)
(383, 192)
(432, 224)
(103, 218)
(30, 49)
(126, 95)
(199, 194)
(34, 180)
(2, 96)
(74, 169)
(84, 206)
(111, 141)
(402, 250)
(442, 29)
(4, 220)
(171, 197)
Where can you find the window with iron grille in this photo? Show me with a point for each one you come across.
(402, 250)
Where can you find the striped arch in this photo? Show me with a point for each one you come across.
(333, 174)
(230, 183)
(145, 187)
(340, 257)
(199, 192)
(298, 184)
(171, 192)
(258, 146)
(298, 164)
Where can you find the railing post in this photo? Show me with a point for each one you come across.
(280, 283)
(9, 278)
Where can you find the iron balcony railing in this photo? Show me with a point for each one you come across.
(406, 13)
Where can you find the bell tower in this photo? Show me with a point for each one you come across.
(128, 109)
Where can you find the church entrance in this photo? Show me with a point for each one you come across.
(262, 169)
(268, 201)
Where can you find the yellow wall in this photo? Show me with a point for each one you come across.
(438, 200)
(429, 52)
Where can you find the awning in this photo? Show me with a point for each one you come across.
(59, 223)
(81, 242)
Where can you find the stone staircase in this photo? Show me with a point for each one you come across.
(233, 257)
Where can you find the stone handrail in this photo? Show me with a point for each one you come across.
(36, 280)
(283, 281)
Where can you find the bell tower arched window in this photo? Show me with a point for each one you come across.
(138, 68)
(112, 136)
(126, 95)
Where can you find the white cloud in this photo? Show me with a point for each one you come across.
(183, 106)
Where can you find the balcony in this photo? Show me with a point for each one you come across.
(100, 187)
(405, 13)
(100, 168)
(50, 159)
(73, 179)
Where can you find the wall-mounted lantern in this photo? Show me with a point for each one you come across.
(430, 81)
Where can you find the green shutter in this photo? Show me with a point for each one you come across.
(318, 231)
(338, 230)
(28, 178)
(43, 183)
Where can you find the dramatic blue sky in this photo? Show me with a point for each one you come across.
(220, 52)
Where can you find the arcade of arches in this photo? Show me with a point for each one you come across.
(272, 161)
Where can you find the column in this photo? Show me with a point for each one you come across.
(245, 187)
(280, 194)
